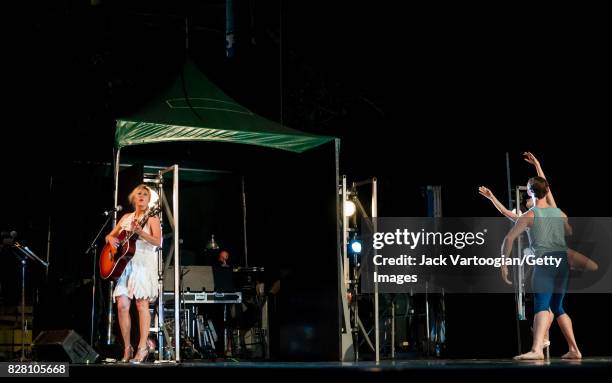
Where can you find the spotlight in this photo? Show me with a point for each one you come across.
(349, 208)
(355, 246)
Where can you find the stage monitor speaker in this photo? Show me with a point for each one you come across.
(63, 346)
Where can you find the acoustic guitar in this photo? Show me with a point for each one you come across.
(113, 260)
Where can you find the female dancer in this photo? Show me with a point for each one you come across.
(577, 261)
(547, 226)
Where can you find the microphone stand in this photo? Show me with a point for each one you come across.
(23, 257)
(94, 247)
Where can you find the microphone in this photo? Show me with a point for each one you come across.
(118, 208)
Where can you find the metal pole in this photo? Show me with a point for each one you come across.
(109, 328)
(345, 236)
(346, 265)
(160, 277)
(393, 330)
(427, 317)
(116, 191)
(518, 280)
(375, 227)
(109, 317)
(93, 294)
(161, 343)
(510, 206)
(244, 225)
(175, 209)
(356, 317)
(23, 325)
(347, 345)
(49, 231)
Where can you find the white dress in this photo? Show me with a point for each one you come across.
(139, 278)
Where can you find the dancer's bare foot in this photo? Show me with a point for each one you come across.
(531, 355)
(572, 355)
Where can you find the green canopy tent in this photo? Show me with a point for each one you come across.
(193, 109)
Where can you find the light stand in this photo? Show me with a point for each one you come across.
(351, 282)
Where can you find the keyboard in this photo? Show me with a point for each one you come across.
(205, 297)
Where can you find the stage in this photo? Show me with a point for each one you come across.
(487, 369)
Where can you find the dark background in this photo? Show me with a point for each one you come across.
(418, 96)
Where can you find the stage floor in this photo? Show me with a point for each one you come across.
(488, 369)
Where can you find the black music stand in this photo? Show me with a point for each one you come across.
(24, 253)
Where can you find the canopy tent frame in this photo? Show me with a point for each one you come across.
(175, 118)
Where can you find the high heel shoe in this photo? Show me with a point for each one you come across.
(141, 355)
(130, 356)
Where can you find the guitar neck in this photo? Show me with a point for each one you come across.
(143, 221)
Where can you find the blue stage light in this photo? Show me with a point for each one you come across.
(355, 246)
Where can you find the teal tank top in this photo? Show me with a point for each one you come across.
(548, 231)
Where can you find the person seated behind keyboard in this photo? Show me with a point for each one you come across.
(223, 259)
